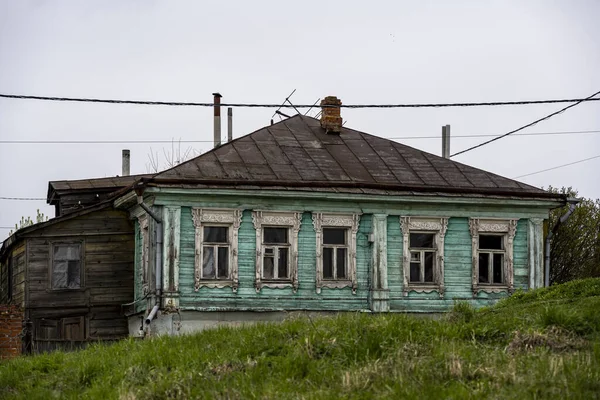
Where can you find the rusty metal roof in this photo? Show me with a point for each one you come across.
(109, 184)
(297, 150)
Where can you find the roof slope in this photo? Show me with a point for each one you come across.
(298, 151)
(108, 184)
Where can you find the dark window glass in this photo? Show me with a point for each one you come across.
(415, 272)
(275, 235)
(282, 267)
(428, 267)
(327, 263)
(66, 267)
(334, 236)
(422, 240)
(208, 262)
(490, 242)
(484, 264)
(215, 234)
(223, 267)
(341, 263)
(498, 266)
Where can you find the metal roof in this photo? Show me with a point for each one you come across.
(298, 152)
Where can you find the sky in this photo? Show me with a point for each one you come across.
(376, 52)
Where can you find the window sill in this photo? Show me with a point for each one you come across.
(215, 283)
(424, 288)
(335, 284)
(276, 284)
(58, 290)
(492, 289)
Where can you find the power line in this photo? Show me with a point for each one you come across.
(528, 125)
(22, 198)
(557, 167)
(257, 105)
(210, 141)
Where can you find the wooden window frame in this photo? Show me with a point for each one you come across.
(277, 219)
(507, 229)
(206, 217)
(430, 225)
(81, 244)
(349, 222)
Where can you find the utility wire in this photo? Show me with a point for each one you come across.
(589, 98)
(256, 105)
(210, 141)
(22, 198)
(557, 167)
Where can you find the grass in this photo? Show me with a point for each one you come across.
(540, 344)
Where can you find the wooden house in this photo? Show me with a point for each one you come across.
(306, 215)
(72, 274)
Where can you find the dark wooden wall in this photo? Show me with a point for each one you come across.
(12, 274)
(68, 203)
(94, 311)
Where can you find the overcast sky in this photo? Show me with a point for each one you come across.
(258, 51)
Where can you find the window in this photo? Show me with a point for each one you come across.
(423, 254)
(492, 247)
(276, 248)
(68, 328)
(216, 241)
(336, 250)
(66, 266)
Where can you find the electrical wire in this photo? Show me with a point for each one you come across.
(256, 105)
(22, 198)
(210, 141)
(528, 125)
(557, 167)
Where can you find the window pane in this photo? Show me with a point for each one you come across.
(490, 242)
(415, 256)
(268, 267)
(327, 263)
(334, 236)
(223, 261)
(341, 263)
(66, 252)
(282, 267)
(484, 263)
(422, 240)
(73, 274)
(415, 272)
(498, 267)
(429, 257)
(59, 274)
(208, 263)
(215, 234)
(275, 235)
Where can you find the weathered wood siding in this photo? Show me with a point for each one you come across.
(107, 240)
(13, 275)
(246, 297)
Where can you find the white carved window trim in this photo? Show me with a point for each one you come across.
(145, 257)
(331, 220)
(508, 229)
(438, 227)
(292, 221)
(230, 218)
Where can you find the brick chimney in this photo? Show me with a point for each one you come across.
(331, 119)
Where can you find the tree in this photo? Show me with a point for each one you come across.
(175, 157)
(24, 222)
(575, 247)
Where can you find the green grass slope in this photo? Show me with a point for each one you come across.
(540, 344)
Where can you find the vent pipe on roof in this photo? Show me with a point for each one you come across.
(446, 141)
(217, 126)
(331, 119)
(125, 163)
(229, 124)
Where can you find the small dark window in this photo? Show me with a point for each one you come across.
(422, 241)
(66, 266)
(484, 267)
(490, 242)
(275, 235)
(334, 236)
(215, 234)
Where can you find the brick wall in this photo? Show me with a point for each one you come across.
(11, 326)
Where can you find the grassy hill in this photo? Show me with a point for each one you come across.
(540, 344)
